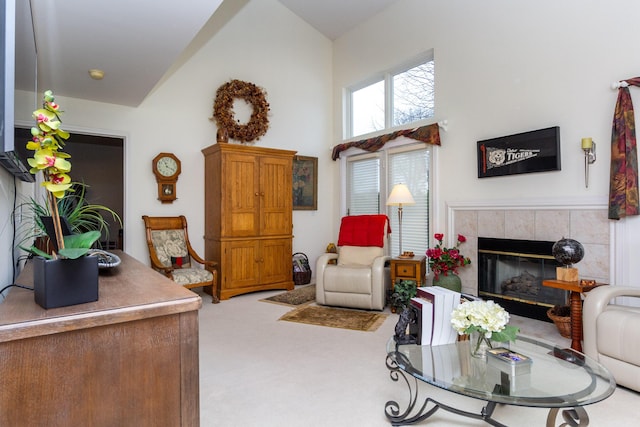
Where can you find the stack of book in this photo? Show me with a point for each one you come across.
(434, 305)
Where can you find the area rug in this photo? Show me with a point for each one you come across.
(295, 297)
(336, 317)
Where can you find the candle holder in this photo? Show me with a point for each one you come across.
(589, 148)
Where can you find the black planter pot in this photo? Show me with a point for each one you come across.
(63, 282)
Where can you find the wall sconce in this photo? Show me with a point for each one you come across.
(589, 148)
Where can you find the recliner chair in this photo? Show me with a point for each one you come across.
(612, 333)
(360, 277)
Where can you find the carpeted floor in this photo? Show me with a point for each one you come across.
(258, 372)
(336, 317)
(296, 297)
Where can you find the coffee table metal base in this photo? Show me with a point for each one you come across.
(571, 417)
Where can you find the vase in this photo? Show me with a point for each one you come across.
(63, 282)
(449, 281)
(479, 344)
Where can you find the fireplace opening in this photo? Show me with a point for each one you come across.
(511, 272)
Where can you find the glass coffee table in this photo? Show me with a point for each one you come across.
(562, 380)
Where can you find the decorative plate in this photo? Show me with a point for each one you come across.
(105, 259)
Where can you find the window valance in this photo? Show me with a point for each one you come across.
(429, 134)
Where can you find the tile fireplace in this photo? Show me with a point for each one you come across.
(584, 220)
(511, 271)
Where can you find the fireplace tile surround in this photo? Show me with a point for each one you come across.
(586, 223)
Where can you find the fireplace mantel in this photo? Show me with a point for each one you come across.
(582, 219)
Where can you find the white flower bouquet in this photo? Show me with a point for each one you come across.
(485, 317)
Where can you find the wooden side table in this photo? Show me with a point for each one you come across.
(409, 269)
(575, 305)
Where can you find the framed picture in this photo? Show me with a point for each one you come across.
(305, 183)
(535, 151)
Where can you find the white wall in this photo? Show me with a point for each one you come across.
(504, 68)
(264, 44)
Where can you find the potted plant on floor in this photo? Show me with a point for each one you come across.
(67, 276)
(403, 291)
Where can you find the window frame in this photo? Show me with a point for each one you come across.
(401, 144)
(387, 77)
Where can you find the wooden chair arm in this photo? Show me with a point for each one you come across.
(210, 264)
(167, 271)
(198, 259)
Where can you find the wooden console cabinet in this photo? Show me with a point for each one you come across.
(248, 217)
(128, 359)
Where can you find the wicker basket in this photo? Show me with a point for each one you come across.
(563, 323)
(301, 262)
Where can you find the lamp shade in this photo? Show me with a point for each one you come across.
(400, 195)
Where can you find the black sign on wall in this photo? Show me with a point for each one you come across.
(534, 151)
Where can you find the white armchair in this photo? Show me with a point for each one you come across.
(612, 333)
(360, 276)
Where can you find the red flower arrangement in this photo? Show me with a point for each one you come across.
(446, 260)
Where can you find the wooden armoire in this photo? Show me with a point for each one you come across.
(248, 216)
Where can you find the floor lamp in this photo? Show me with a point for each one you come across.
(400, 195)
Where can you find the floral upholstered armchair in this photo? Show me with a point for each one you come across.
(171, 254)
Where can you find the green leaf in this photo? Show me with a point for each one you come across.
(509, 333)
(73, 253)
(77, 245)
(84, 240)
(36, 251)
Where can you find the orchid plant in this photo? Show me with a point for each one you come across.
(47, 143)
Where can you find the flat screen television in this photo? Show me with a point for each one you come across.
(18, 69)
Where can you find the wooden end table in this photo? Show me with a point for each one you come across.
(575, 306)
(414, 268)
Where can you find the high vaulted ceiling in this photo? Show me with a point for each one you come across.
(334, 18)
(137, 43)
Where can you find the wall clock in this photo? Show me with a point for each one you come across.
(166, 168)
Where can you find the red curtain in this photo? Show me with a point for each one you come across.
(428, 134)
(623, 183)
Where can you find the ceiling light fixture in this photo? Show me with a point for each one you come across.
(96, 74)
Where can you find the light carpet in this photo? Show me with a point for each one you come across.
(256, 372)
(336, 317)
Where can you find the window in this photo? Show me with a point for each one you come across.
(413, 94)
(370, 178)
(369, 103)
(394, 99)
(364, 186)
(410, 168)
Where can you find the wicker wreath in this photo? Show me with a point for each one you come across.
(224, 115)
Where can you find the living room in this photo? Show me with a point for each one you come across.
(501, 68)
(519, 68)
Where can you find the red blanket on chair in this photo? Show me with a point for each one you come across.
(363, 230)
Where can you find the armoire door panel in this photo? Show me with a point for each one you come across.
(241, 196)
(275, 203)
(276, 261)
(242, 266)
